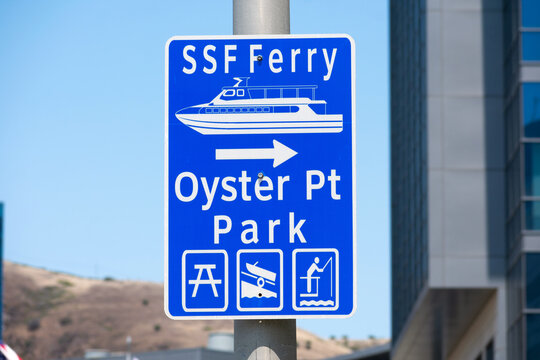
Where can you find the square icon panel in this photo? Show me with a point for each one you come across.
(315, 279)
(259, 280)
(204, 280)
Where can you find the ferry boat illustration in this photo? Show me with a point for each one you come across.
(243, 109)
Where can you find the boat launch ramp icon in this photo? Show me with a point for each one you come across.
(260, 279)
(262, 276)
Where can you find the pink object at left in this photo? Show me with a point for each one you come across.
(7, 353)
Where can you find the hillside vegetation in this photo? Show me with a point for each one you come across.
(50, 315)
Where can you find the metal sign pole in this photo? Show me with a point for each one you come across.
(252, 17)
(263, 339)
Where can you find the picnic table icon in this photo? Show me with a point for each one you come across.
(210, 281)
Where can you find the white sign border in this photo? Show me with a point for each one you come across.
(166, 177)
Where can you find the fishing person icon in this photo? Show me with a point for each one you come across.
(309, 277)
(315, 287)
(259, 279)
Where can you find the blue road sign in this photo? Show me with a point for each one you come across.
(260, 177)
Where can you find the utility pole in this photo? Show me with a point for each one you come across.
(263, 339)
(252, 17)
(128, 344)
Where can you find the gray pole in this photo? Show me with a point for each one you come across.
(261, 17)
(263, 339)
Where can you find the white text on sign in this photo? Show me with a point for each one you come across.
(263, 188)
(275, 59)
(250, 232)
(244, 188)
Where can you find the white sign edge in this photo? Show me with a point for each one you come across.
(166, 178)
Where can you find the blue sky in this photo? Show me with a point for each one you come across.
(81, 135)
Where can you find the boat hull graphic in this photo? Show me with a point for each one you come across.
(258, 271)
(261, 124)
(242, 109)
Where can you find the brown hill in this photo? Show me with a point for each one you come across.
(50, 315)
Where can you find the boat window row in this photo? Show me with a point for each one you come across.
(271, 92)
(261, 109)
(253, 109)
(277, 93)
(234, 92)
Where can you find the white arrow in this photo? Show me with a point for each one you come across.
(280, 153)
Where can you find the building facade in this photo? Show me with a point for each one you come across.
(522, 128)
(465, 179)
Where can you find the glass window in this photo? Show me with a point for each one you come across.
(513, 180)
(289, 93)
(532, 169)
(305, 93)
(533, 340)
(256, 93)
(530, 42)
(531, 109)
(530, 10)
(514, 292)
(490, 351)
(513, 123)
(515, 341)
(240, 92)
(507, 27)
(273, 93)
(533, 281)
(532, 215)
(229, 92)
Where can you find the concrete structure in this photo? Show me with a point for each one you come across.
(180, 354)
(221, 341)
(381, 352)
(464, 220)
